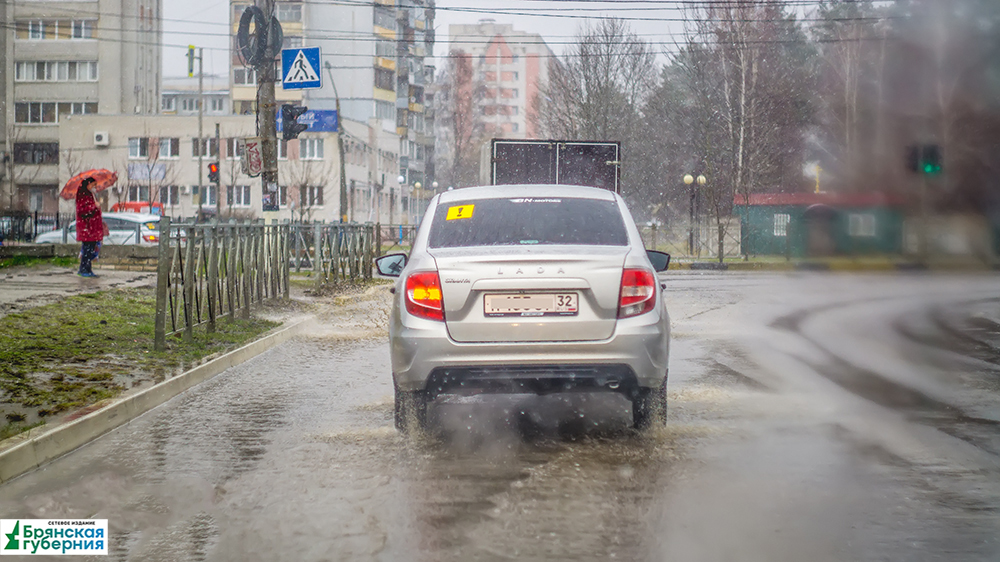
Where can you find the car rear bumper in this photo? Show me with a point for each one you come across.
(424, 357)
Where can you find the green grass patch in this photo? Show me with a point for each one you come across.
(29, 261)
(12, 429)
(91, 347)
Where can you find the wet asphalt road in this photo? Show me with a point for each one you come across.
(812, 417)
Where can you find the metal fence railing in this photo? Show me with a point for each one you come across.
(25, 226)
(215, 270)
(333, 252)
(394, 237)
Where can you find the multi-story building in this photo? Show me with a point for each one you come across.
(509, 69)
(374, 59)
(70, 58)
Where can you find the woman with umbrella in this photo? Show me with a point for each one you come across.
(90, 227)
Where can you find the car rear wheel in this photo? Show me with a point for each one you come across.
(410, 410)
(649, 407)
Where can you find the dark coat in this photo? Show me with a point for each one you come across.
(89, 223)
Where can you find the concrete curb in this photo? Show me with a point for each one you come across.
(43, 448)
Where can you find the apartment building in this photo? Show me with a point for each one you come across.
(374, 58)
(63, 59)
(509, 69)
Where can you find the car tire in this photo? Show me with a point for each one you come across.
(649, 407)
(410, 410)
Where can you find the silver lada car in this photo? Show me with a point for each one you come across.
(528, 289)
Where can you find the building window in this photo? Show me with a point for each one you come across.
(55, 71)
(137, 193)
(781, 224)
(168, 103)
(36, 153)
(514, 127)
(244, 77)
(189, 104)
(217, 104)
(293, 42)
(385, 48)
(311, 196)
(310, 149)
(385, 110)
(282, 195)
(207, 147)
(861, 224)
(83, 29)
(239, 195)
(56, 29)
(288, 11)
(384, 78)
(233, 151)
(282, 149)
(169, 147)
(385, 17)
(138, 147)
(170, 195)
(211, 195)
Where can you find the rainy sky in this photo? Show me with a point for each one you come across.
(203, 24)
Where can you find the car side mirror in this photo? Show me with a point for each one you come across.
(660, 260)
(390, 265)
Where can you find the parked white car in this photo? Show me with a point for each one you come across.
(123, 229)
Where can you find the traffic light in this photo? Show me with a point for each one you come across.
(290, 127)
(213, 172)
(924, 159)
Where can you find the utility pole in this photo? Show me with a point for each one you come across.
(218, 181)
(340, 147)
(201, 136)
(266, 108)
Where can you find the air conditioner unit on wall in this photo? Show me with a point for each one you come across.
(102, 138)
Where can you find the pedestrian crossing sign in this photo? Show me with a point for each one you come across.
(300, 68)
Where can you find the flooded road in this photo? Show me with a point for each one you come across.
(812, 417)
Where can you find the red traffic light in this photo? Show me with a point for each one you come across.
(213, 172)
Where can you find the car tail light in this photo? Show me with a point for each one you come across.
(423, 295)
(150, 238)
(638, 293)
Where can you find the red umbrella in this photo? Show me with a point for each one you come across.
(103, 179)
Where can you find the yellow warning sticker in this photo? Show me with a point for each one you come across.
(460, 212)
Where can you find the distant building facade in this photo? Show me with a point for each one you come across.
(180, 96)
(509, 69)
(61, 60)
(157, 160)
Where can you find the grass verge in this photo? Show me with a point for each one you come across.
(87, 348)
(13, 261)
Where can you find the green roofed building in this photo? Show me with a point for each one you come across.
(820, 224)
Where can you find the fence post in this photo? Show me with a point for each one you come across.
(285, 262)
(213, 277)
(162, 282)
(245, 257)
(298, 254)
(378, 239)
(318, 254)
(189, 282)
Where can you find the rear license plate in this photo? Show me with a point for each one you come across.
(531, 304)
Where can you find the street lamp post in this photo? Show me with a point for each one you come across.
(689, 180)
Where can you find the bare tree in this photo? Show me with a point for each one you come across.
(305, 176)
(463, 132)
(597, 92)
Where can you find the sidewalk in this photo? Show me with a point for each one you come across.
(837, 264)
(24, 287)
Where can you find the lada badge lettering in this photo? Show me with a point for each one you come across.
(449, 280)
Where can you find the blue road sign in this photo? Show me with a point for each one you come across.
(319, 121)
(300, 68)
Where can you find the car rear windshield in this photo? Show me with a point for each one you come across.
(528, 221)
